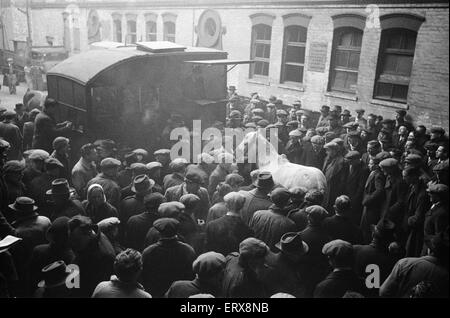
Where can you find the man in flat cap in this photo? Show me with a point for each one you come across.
(336, 172)
(313, 152)
(192, 184)
(294, 147)
(166, 261)
(178, 168)
(334, 125)
(12, 134)
(342, 278)
(417, 205)
(410, 271)
(396, 191)
(358, 173)
(269, 225)
(204, 167)
(438, 136)
(346, 117)
(377, 252)
(85, 169)
(372, 149)
(61, 151)
(362, 122)
(107, 179)
(34, 165)
(5, 227)
(372, 196)
(282, 120)
(12, 173)
(208, 269)
(245, 272)
(163, 156)
(46, 129)
(436, 218)
(372, 126)
(400, 120)
(323, 119)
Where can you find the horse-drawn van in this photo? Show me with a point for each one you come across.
(128, 93)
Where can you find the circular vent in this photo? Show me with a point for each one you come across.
(209, 28)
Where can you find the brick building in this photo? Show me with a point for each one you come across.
(383, 57)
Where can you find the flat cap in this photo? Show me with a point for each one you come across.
(209, 264)
(168, 227)
(360, 111)
(257, 111)
(292, 123)
(110, 163)
(250, 125)
(251, 248)
(338, 249)
(52, 163)
(282, 112)
(353, 155)
(194, 177)
(178, 163)
(331, 145)
(351, 125)
(317, 139)
(325, 108)
(280, 196)
(263, 123)
(60, 142)
(9, 114)
(235, 114)
(354, 134)
(316, 213)
(414, 159)
(339, 141)
(171, 209)
(162, 152)
(153, 200)
(322, 130)
(138, 168)
(190, 200)
(438, 188)
(373, 144)
(153, 165)
(437, 130)
(108, 223)
(388, 163)
(381, 156)
(13, 166)
(141, 152)
(39, 154)
(295, 133)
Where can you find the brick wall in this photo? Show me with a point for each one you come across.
(428, 92)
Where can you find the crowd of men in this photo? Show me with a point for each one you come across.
(143, 225)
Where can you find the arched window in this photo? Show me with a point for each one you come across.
(169, 31)
(345, 59)
(261, 37)
(395, 64)
(294, 47)
(150, 31)
(117, 27)
(131, 31)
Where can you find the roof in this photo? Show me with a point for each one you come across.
(84, 67)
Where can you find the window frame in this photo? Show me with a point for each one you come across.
(169, 18)
(117, 21)
(151, 18)
(285, 63)
(132, 35)
(265, 20)
(334, 69)
(399, 22)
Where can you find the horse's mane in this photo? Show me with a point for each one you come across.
(255, 139)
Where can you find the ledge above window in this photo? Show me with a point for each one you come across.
(299, 87)
(390, 104)
(341, 95)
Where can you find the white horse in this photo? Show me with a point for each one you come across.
(283, 172)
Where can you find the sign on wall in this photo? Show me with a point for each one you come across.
(317, 56)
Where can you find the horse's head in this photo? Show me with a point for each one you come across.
(257, 149)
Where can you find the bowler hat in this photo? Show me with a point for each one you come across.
(142, 184)
(55, 274)
(265, 180)
(23, 205)
(291, 244)
(59, 187)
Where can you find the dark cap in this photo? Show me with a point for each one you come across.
(252, 248)
(170, 209)
(162, 152)
(353, 155)
(346, 113)
(52, 163)
(280, 196)
(389, 163)
(414, 159)
(168, 227)
(354, 134)
(360, 111)
(194, 178)
(438, 188)
(338, 249)
(235, 114)
(384, 229)
(190, 200)
(110, 163)
(209, 264)
(437, 130)
(13, 166)
(316, 213)
(153, 200)
(401, 112)
(381, 156)
(324, 108)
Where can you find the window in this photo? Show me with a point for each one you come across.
(395, 64)
(345, 59)
(294, 54)
(131, 31)
(150, 27)
(117, 30)
(261, 36)
(169, 31)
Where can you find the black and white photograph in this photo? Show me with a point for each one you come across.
(233, 151)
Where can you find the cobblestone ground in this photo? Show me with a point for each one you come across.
(7, 100)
